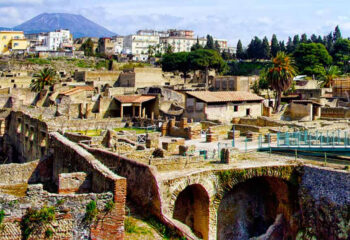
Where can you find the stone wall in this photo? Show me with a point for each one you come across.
(69, 157)
(27, 136)
(336, 112)
(69, 215)
(142, 184)
(301, 111)
(324, 198)
(25, 173)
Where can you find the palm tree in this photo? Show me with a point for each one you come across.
(281, 75)
(46, 77)
(332, 73)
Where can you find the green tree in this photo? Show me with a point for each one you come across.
(88, 47)
(177, 62)
(313, 38)
(312, 58)
(282, 46)
(336, 34)
(266, 51)
(217, 46)
(226, 55)
(46, 77)
(341, 54)
(296, 42)
(196, 46)
(240, 52)
(275, 48)
(290, 46)
(205, 60)
(255, 49)
(210, 42)
(328, 42)
(281, 75)
(169, 49)
(304, 38)
(331, 73)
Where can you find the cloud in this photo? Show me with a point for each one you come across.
(232, 20)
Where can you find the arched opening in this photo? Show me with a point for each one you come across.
(260, 207)
(192, 209)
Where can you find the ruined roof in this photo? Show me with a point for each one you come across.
(225, 96)
(77, 90)
(134, 98)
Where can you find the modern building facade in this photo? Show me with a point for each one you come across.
(12, 42)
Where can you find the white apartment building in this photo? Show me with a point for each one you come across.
(51, 41)
(138, 45)
(181, 44)
(118, 44)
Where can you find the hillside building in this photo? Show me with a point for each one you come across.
(12, 42)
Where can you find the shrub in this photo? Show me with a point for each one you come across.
(2, 216)
(60, 202)
(91, 212)
(35, 218)
(109, 206)
(48, 233)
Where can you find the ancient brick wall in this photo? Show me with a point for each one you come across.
(69, 157)
(18, 173)
(70, 211)
(337, 112)
(142, 185)
(27, 135)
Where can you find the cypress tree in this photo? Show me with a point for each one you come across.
(290, 46)
(274, 45)
(282, 46)
(303, 38)
(296, 42)
(266, 52)
(240, 52)
(336, 34)
(210, 42)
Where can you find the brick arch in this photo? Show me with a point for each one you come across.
(244, 194)
(192, 208)
(227, 180)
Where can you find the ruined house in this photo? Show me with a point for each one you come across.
(222, 106)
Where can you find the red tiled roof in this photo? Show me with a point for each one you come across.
(133, 98)
(77, 90)
(225, 96)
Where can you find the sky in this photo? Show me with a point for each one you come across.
(224, 19)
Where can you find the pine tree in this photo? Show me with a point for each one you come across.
(319, 39)
(274, 45)
(240, 52)
(255, 50)
(266, 52)
(336, 34)
(328, 42)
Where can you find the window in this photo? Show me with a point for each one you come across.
(235, 108)
(248, 111)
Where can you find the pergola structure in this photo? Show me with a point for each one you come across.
(135, 103)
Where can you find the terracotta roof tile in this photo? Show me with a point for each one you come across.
(225, 96)
(134, 98)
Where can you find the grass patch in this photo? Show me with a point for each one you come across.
(137, 130)
(131, 227)
(85, 64)
(89, 133)
(91, 212)
(38, 61)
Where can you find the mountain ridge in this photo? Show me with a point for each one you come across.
(77, 24)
